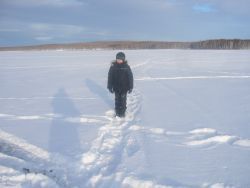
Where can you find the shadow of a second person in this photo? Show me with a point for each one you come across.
(64, 137)
(100, 91)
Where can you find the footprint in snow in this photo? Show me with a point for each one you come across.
(204, 137)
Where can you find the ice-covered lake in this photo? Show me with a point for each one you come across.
(187, 123)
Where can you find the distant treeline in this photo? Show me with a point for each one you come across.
(221, 44)
(207, 44)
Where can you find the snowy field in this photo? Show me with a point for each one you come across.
(187, 123)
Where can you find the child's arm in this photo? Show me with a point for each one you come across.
(110, 79)
(131, 79)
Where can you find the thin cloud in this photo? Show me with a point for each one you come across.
(9, 30)
(203, 8)
(155, 4)
(38, 3)
(64, 29)
(43, 38)
(48, 32)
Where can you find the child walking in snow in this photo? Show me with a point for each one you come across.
(120, 82)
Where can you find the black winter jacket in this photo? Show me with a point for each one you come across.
(120, 77)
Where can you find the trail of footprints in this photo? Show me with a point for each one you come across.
(106, 152)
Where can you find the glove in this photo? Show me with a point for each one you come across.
(129, 91)
(111, 90)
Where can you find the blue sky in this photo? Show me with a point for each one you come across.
(25, 22)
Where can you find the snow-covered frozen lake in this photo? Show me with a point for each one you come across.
(187, 123)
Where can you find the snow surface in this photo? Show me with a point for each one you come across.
(187, 122)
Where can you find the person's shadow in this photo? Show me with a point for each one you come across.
(100, 91)
(64, 137)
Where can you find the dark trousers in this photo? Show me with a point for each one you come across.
(120, 104)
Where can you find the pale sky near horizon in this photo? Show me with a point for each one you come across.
(28, 22)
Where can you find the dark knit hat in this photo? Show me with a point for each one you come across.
(120, 55)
